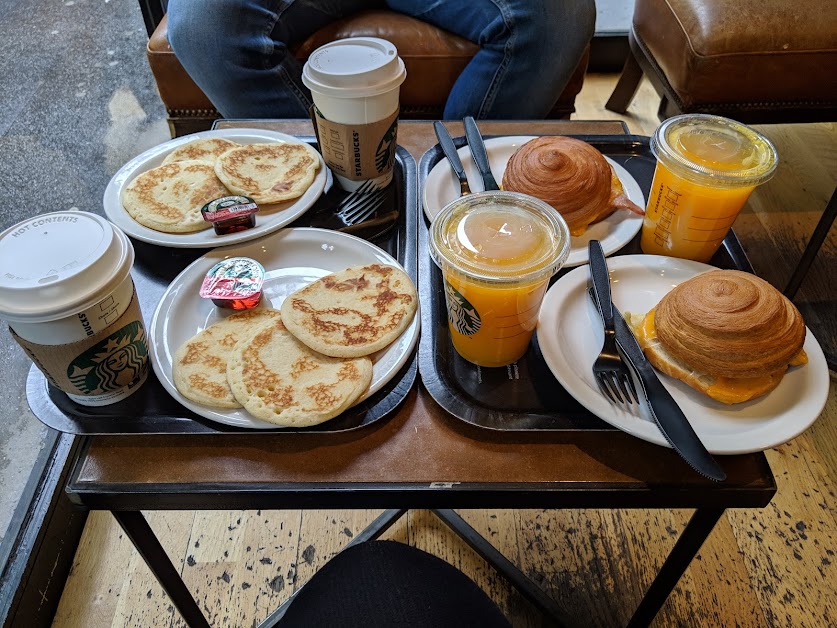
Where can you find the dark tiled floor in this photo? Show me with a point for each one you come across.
(77, 101)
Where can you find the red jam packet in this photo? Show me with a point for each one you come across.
(234, 283)
(230, 214)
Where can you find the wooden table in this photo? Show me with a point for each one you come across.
(419, 458)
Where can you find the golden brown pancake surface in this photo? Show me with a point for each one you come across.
(269, 172)
(280, 380)
(206, 149)
(169, 198)
(354, 312)
(199, 366)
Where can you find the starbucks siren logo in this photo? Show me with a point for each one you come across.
(385, 153)
(462, 315)
(116, 361)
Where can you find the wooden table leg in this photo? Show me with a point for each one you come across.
(696, 532)
(147, 544)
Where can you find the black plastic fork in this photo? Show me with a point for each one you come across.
(611, 372)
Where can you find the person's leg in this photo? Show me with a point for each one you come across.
(528, 51)
(237, 50)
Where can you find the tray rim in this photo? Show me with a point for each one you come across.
(46, 411)
(436, 383)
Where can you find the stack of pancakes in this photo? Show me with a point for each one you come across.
(309, 362)
(169, 198)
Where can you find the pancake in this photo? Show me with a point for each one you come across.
(280, 380)
(169, 198)
(269, 173)
(354, 312)
(199, 366)
(206, 149)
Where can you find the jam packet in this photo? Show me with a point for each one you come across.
(230, 214)
(234, 283)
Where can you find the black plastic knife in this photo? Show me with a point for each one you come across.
(449, 149)
(664, 409)
(668, 416)
(477, 146)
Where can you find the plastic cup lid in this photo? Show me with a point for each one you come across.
(59, 264)
(500, 238)
(714, 151)
(354, 68)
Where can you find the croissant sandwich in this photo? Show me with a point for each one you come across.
(725, 333)
(570, 175)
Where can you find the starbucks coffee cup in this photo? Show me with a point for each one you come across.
(355, 84)
(67, 295)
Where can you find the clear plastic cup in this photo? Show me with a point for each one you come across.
(355, 84)
(67, 295)
(497, 252)
(707, 167)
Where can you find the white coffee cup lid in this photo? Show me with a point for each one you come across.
(354, 68)
(58, 264)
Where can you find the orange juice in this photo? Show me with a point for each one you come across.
(507, 318)
(497, 251)
(689, 220)
(707, 166)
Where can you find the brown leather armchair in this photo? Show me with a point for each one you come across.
(757, 61)
(434, 58)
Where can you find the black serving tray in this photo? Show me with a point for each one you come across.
(523, 396)
(151, 410)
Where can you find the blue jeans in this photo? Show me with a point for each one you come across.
(237, 51)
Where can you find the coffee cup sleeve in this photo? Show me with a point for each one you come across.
(105, 361)
(357, 151)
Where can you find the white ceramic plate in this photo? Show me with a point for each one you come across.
(292, 258)
(570, 336)
(265, 222)
(613, 232)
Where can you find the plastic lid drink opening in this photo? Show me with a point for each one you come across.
(500, 237)
(714, 151)
(55, 265)
(354, 68)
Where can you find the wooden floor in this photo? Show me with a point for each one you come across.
(770, 567)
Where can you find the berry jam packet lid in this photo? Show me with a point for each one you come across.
(228, 208)
(234, 281)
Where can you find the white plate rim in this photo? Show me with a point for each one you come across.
(267, 223)
(613, 232)
(160, 358)
(564, 365)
